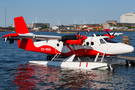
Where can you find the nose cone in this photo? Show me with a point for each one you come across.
(128, 49)
(124, 48)
(121, 48)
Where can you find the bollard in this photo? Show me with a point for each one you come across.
(125, 40)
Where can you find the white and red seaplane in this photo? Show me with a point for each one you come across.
(73, 47)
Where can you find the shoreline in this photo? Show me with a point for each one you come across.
(71, 31)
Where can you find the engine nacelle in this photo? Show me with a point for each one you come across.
(79, 41)
(111, 36)
(76, 42)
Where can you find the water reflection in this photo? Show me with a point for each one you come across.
(40, 77)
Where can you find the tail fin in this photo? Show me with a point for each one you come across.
(20, 25)
(21, 28)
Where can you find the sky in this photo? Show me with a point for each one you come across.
(64, 12)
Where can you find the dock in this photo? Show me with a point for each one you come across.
(129, 59)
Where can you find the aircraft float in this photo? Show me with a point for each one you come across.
(77, 49)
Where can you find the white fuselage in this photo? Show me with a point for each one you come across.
(91, 46)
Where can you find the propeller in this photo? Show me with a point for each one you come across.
(78, 33)
(108, 33)
(111, 36)
(87, 32)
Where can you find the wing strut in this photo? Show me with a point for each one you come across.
(70, 48)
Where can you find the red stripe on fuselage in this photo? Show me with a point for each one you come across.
(84, 52)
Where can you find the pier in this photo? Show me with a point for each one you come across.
(129, 60)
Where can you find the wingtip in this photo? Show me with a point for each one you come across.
(10, 35)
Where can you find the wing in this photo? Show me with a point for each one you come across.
(15, 36)
(70, 39)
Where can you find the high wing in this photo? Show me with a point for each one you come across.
(16, 36)
(70, 39)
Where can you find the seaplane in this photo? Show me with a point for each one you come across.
(68, 51)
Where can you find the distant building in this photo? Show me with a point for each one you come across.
(41, 25)
(90, 27)
(77, 26)
(36, 29)
(12, 25)
(55, 27)
(109, 23)
(30, 25)
(35, 25)
(127, 18)
(63, 27)
(126, 24)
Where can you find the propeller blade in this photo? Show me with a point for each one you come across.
(107, 30)
(113, 33)
(78, 33)
(108, 33)
(87, 32)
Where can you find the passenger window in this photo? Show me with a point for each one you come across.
(92, 43)
(102, 41)
(57, 44)
(87, 43)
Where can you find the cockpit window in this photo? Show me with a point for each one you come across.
(109, 40)
(102, 41)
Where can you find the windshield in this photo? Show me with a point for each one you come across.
(102, 41)
(109, 40)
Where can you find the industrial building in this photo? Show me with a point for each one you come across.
(63, 27)
(41, 24)
(127, 18)
(109, 23)
(35, 25)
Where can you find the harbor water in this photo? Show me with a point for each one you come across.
(17, 74)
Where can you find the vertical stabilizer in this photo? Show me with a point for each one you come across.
(20, 25)
(21, 28)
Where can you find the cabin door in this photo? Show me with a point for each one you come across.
(103, 45)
